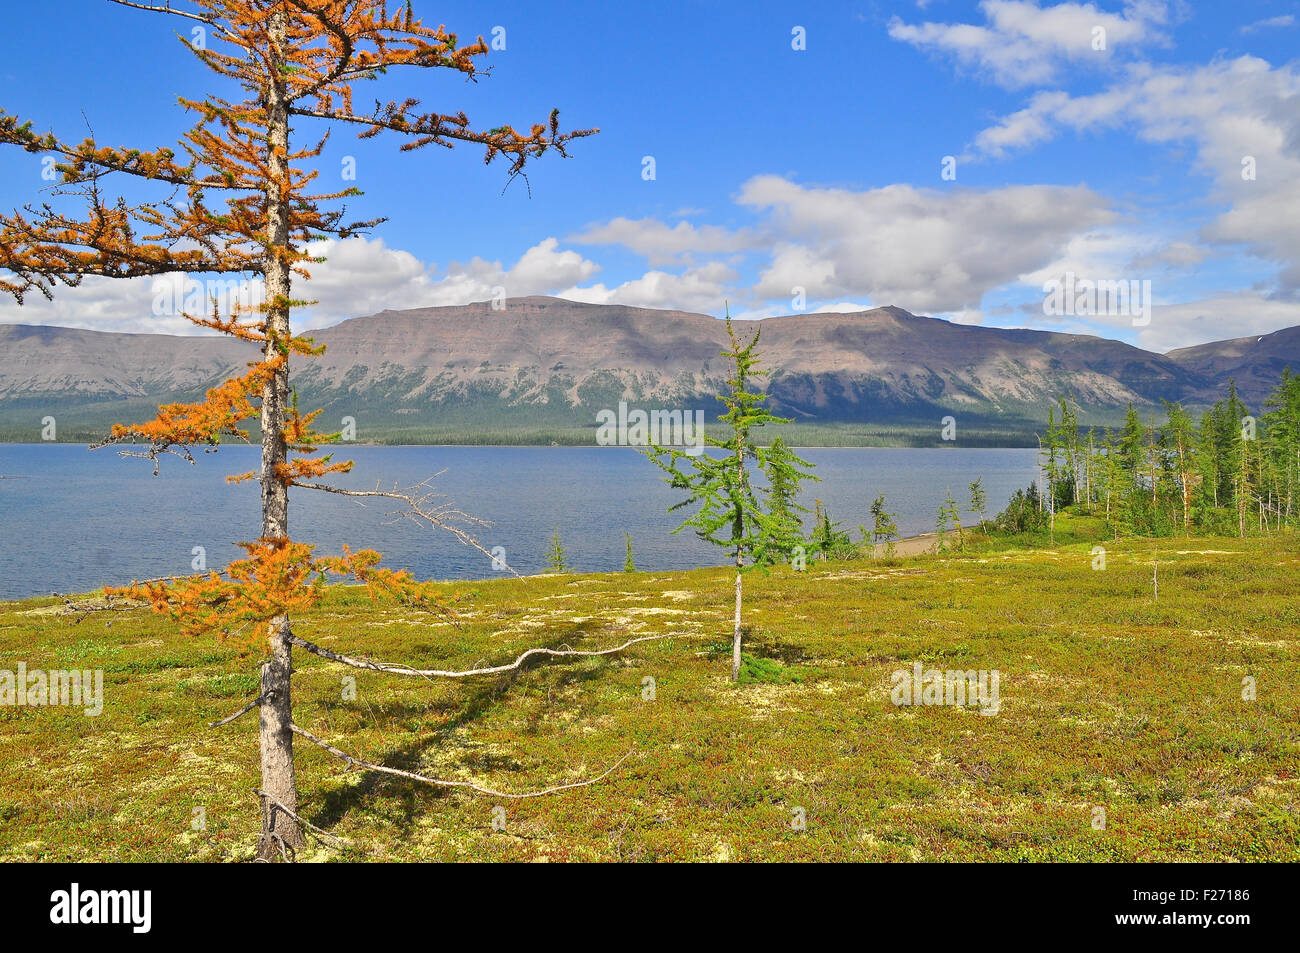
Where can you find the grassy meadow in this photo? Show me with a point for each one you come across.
(1108, 699)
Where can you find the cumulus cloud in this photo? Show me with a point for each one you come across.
(543, 269)
(1023, 44)
(104, 304)
(1242, 119)
(700, 289)
(1229, 315)
(662, 244)
(924, 250)
(1047, 112)
(359, 276)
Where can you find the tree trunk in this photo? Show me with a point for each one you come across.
(279, 830)
(1091, 459)
(735, 641)
(739, 533)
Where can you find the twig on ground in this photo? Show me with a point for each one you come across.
(466, 673)
(354, 763)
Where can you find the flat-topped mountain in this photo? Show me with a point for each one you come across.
(548, 364)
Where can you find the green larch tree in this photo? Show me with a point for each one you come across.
(730, 512)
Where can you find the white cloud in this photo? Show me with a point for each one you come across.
(964, 317)
(696, 289)
(923, 250)
(842, 307)
(662, 244)
(359, 276)
(1022, 129)
(1023, 44)
(1172, 255)
(1230, 315)
(1240, 115)
(542, 269)
(1271, 23)
(102, 304)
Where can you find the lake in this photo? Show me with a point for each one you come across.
(72, 520)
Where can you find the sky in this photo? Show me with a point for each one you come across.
(948, 158)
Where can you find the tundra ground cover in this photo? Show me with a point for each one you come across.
(1109, 699)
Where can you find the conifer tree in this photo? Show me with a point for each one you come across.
(828, 540)
(1282, 432)
(239, 196)
(1243, 490)
(1227, 473)
(782, 497)
(883, 528)
(731, 514)
(1228, 415)
(1091, 469)
(629, 564)
(1110, 472)
(1132, 442)
(555, 555)
(1181, 442)
(979, 501)
(1207, 455)
(1067, 440)
(948, 519)
(1051, 448)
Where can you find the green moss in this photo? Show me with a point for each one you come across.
(767, 671)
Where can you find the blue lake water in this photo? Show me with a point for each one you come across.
(72, 520)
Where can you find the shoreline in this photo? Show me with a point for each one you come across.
(946, 445)
(914, 545)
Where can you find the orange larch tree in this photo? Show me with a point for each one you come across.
(241, 199)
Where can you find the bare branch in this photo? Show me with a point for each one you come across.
(421, 508)
(83, 609)
(305, 823)
(224, 32)
(355, 763)
(393, 669)
(239, 714)
(165, 8)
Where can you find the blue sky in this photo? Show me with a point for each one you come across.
(777, 168)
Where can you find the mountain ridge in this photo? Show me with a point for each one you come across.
(548, 363)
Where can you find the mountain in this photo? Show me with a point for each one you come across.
(542, 368)
(1255, 363)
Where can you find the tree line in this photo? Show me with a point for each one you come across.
(1228, 473)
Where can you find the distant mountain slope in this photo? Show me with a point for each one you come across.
(1254, 362)
(551, 364)
(65, 362)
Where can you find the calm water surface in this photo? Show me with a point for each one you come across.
(72, 520)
